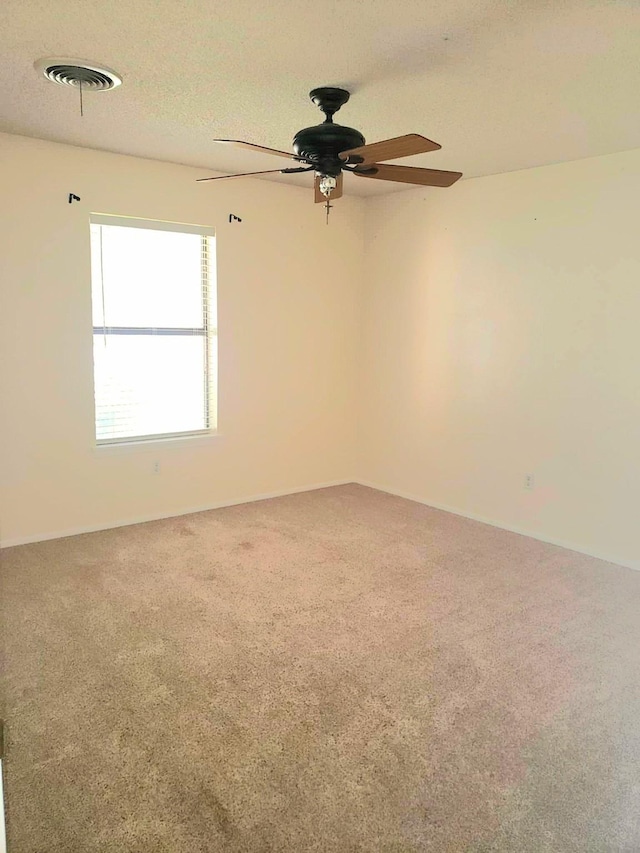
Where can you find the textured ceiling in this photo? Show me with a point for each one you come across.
(502, 85)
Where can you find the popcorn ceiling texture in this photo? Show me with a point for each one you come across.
(501, 84)
(340, 670)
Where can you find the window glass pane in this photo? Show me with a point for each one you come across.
(146, 278)
(149, 384)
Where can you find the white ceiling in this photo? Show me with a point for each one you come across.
(501, 84)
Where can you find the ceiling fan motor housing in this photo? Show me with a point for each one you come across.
(320, 146)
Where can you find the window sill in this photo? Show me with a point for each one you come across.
(150, 445)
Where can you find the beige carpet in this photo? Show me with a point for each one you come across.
(340, 670)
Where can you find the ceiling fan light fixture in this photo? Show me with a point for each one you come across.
(78, 73)
(326, 185)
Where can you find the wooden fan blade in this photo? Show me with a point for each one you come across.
(321, 199)
(411, 175)
(241, 175)
(238, 143)
(389, 149)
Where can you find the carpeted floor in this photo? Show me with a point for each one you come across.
(339, 671)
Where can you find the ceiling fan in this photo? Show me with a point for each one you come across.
(330, 149)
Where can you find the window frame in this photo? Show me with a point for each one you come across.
(206, 331)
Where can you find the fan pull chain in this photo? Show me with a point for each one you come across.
(81, 107)
(328, 207)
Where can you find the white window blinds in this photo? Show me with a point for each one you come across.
(154, 329)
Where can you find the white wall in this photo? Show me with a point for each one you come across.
(492, 331)
(502, 336)
(289, 300)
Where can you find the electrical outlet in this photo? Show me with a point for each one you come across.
(529, 482)
(156, 467)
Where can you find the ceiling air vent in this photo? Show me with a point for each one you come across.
(78, 73)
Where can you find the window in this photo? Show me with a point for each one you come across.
(154, 329)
